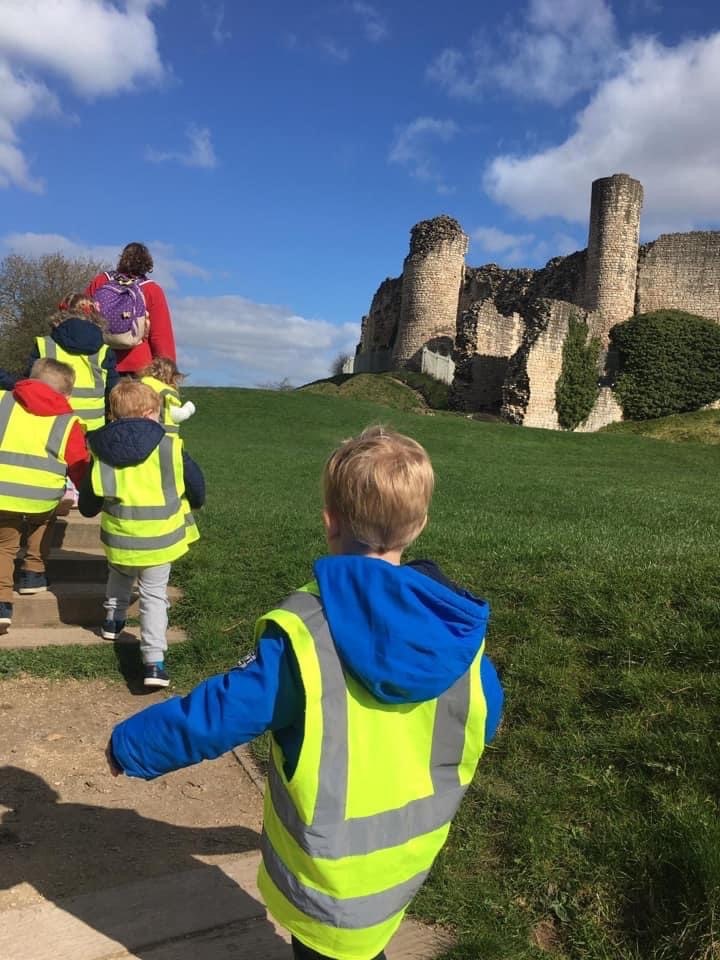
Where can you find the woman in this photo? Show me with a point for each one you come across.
(136, 262)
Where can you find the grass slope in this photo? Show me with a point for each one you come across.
(592, 828)
(379, 388)
(703, 426)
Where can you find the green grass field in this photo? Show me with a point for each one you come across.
(592, 829)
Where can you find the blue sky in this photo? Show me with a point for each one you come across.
(274, 156)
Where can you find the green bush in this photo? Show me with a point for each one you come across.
(434, 392)
(577, 386)
(669, 362)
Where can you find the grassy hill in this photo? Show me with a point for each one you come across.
(592, 829)
(703, 426)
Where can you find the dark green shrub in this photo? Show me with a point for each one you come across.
(577, 387)
(669, 362)
(434, 392)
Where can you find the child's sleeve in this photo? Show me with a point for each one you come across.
(76, 455)
(89, 503)
(179, 414)
(194, 482)
(261, 693)
(7, 380)
(113, 377)
(494, 697)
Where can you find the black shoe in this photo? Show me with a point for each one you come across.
(112, 629)
(30, 582)
(6, 614)
(155, 675)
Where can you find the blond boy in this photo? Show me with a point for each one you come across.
(144, 484)
(40, 442)
(373, 681)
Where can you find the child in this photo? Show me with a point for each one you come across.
(40, 439)
(76, 338)
(165, 378)
(373, 681)
(141, 480)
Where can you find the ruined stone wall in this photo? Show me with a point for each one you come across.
(612, 254)
(606, 410)
(680, 271)
(486, 339)
(379, 327)
(431, 281)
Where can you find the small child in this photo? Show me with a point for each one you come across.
(165, 378)
(40, 440)
(374, 682)
(76, 338)
(144, 484)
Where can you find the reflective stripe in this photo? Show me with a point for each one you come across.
(350, 913)
(91, 413)
(98, 388)
(27, 492)
(390, 828)
(32, 462)
(7, 405)
(57, 434)
(123, 542)
(172, 502)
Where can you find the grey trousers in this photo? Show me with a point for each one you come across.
(152, 587)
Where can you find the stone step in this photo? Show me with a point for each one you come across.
(21, 638)
(74, 532)
(67, 602)
(87, 565)
(210, 913)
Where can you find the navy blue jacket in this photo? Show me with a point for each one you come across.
(406, 633)
(8, 380)
(125, 443)
(82, 338)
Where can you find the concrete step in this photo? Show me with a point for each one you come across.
(87, 565)
(22, 638)
(67, 602)
(210, 913)
(75, 532)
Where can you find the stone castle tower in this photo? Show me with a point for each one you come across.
(431, 281)
(612, 252)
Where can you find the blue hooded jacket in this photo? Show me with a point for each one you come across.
(82, 338)
(406, 633)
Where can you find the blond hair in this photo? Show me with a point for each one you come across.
(380, 484)
(130, 398)
(59, 376)
(78, 305)
(165, 370)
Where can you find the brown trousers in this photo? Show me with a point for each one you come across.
(38, 528)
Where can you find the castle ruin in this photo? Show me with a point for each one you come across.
(505, 328)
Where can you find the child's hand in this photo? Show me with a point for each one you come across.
(115, 770)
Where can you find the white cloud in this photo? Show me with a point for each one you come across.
(234, 341)
(217, 17)
(521, 249)
(334, 50)
(42, 36)
(656, 120)
(563, 48)
(200, 151)
(168, 266)
(374, 24)
(412, 148)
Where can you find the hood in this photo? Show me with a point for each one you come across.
(77, 335)
(39, 398)
(126, 442)
(404, 636)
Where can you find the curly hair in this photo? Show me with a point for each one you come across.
(165, 370)
(135, 260)
(78, 305)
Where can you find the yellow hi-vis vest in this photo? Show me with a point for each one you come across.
(146, 520)
(350, 838)
(32, 452)
(88, 394)
(170, 398)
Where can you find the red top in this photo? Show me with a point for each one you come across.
(41, 400)
(161, 341)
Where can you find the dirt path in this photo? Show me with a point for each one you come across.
(68, 828)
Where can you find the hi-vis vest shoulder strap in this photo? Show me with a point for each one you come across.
(348, 841)
(145, 520)
(170, 398)
(88, 393)
(32, 451)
